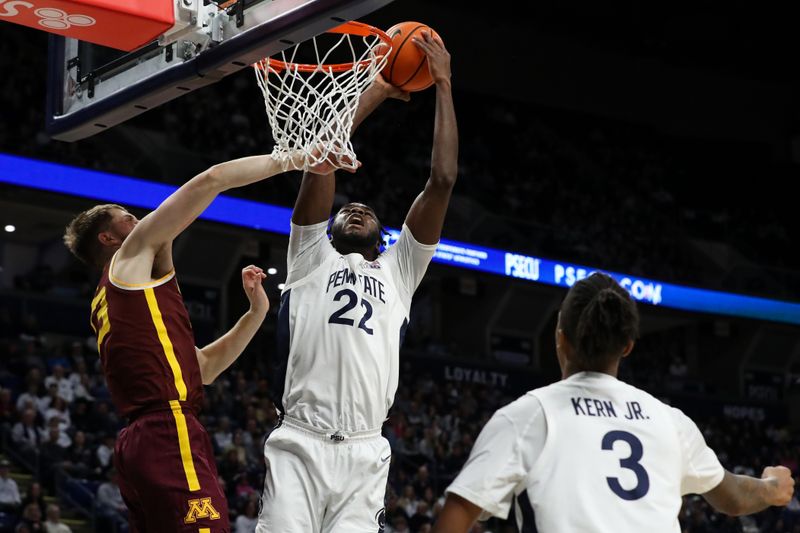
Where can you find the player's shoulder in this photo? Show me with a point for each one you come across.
(522, 412)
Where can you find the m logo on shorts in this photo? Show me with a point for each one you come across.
(201, 508)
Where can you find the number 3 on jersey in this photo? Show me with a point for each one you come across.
(352, 300)
(630, 463)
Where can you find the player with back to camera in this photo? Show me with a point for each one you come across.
(591, 453)
(343, 314)
(154, 372)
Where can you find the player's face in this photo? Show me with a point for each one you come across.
(357, 225)
(122, 223)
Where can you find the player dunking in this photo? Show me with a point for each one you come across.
(153, 370)
(343, 314)
(591, 453)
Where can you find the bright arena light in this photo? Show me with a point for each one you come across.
(272, 271)
(10, 228)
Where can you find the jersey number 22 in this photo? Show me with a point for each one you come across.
(352, 300)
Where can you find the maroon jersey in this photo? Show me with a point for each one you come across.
(146, 345)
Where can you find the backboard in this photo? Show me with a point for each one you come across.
(92, 88)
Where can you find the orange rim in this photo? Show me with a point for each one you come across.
(352, 28)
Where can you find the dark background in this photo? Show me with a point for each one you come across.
(659, 140)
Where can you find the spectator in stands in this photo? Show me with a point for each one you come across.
(31, 519)
(63, 384)
(399, 525)
(105, 453)
(53, 452)
(33, 388)
(101, 420)
(223, 437)
(35, 496)
(53, 524)
(246, 522)
(10, 500)
(110, 505)
(80, 415)
(58, 411)
(79, 379)
(25, 434)
(78, 458)
(422, 517)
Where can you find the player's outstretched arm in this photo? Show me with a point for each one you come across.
(458, 515)
(740, 495)
(220, 354)
(183, 206)
(426, 216)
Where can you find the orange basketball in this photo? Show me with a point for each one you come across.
(407, 66)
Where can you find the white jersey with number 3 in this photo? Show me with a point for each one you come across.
(340, 327)
(590, 454)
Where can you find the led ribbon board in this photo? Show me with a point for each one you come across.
(127, 191)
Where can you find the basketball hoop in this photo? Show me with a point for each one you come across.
(311, 106)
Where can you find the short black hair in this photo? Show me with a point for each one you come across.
(599, 318)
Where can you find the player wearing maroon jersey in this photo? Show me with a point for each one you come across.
(154, 371)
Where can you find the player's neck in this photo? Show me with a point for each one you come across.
(370, 254)
(571, 368)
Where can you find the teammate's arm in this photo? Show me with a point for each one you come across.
(220, 354)
(740, 495)
(426, 216)
(458, 515)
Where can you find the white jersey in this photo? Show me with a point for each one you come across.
(590, 454)
(340, 327)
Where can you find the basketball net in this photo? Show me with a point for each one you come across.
(311, 107)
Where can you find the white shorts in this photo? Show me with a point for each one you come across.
(321, 482)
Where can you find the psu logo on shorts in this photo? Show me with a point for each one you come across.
(380, 517)
(200, 508)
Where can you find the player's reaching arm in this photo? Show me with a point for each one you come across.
(220, 354)
(740, 495)
(152, 235)
(426, 216)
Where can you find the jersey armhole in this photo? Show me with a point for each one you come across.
(118, 283)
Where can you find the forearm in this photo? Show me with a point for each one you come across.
(370, 100)
(247, 170)
(221, 353)
(740, 495)
(458, 516)
(444, 158)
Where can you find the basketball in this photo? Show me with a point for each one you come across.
(407, 66)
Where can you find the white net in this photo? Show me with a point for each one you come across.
(311, 107)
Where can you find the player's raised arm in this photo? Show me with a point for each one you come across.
(740, 495)
(183, 206)
(315, 199)
(220, 354)
(426, 216)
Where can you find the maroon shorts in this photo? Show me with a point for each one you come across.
(168, 478)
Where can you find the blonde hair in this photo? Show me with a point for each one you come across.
(80, 236)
